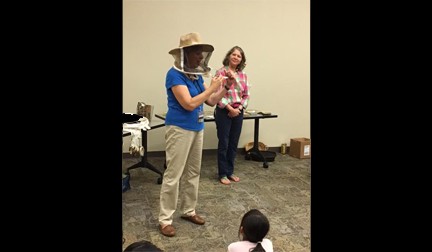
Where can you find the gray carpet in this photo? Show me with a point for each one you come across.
(282, 192)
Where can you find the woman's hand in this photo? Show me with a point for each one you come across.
(216, 82)
(230, 78)
(234, 112)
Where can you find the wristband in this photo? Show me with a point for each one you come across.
(227, 88)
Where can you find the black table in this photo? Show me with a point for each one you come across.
(257, 117)
(154, 124)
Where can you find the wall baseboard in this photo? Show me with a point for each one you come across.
(240, 151)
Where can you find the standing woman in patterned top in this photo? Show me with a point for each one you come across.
(229, 114)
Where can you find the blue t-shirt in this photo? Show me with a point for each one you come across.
(176, 114)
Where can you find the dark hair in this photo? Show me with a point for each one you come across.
(141, 246)
(242, 64)
(255, 227)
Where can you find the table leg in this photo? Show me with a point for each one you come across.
(144, 163)
(255, 150)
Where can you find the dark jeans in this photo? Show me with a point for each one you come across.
(228, 133)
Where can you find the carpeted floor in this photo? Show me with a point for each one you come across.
(282, 192)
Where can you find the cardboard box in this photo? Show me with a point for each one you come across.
(300, 147)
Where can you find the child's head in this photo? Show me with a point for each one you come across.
(254, 226)
(142, 246)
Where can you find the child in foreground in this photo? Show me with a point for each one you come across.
(254, 227)
(141, 246)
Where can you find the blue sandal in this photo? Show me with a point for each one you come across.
(224, 180)
(234, 178)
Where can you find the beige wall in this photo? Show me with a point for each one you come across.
(275, 35)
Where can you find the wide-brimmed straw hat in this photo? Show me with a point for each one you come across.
(188, 40)
(191, 39)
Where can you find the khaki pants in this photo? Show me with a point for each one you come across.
(183, 160)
